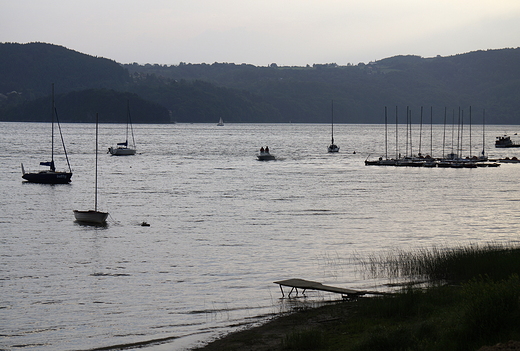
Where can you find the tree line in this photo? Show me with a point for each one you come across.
(244, 93)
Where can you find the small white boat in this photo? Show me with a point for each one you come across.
(122, 149)
(93, 217)
(220, 122)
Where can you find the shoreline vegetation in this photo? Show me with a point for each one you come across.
(463, 298)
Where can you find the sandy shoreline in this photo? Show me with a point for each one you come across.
(270, 335)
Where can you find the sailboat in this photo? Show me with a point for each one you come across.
(50, 176)
(122, 149)
(94, 216)
(333, 147)
(220, 122)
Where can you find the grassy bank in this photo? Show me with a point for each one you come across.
(471, 299)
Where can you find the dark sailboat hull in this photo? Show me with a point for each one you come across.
(48, 177)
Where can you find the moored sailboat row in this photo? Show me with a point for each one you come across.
(452, 160)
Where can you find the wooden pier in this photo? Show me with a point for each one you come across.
(303, 284)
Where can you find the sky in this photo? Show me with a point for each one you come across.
(285, 32)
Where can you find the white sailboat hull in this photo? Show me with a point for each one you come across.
(120, 151)
(91, 216)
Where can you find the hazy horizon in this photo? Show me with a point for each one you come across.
(288, 33)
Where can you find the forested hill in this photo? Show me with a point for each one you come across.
(30, 68)
(487, 80)
(187, 92)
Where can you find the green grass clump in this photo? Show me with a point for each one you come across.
(490, 309)
(447, 265)
(304, 340)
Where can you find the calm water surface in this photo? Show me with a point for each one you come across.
(223, 226)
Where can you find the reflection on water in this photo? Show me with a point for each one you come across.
(223, 226)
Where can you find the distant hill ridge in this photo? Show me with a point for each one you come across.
(186, 92)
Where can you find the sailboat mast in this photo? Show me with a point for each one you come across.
(431, 131)
(127, 117)
(407, 128)
(470, 132)
(386, 135)
(444, 134)
(458, 135)
(483, 132)
(131, 127)
(52, 129)
(96, 178)
(410, 131)
(452, 131)
(396, 135)
(420, 133)
(332, 124)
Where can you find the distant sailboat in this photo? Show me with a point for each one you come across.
(94, 216)
(333, 147)
(220, 122)
(50, 176)
(122, 149)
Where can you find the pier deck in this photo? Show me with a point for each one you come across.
(296, 284)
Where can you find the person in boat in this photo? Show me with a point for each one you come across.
(267, 149)
(262, 149)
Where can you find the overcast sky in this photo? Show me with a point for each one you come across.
(261, 32)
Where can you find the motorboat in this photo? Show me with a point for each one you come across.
(505, 141)
(264, 155)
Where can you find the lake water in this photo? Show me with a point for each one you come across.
(223, 226)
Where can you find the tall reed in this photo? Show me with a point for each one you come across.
(496, 261)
